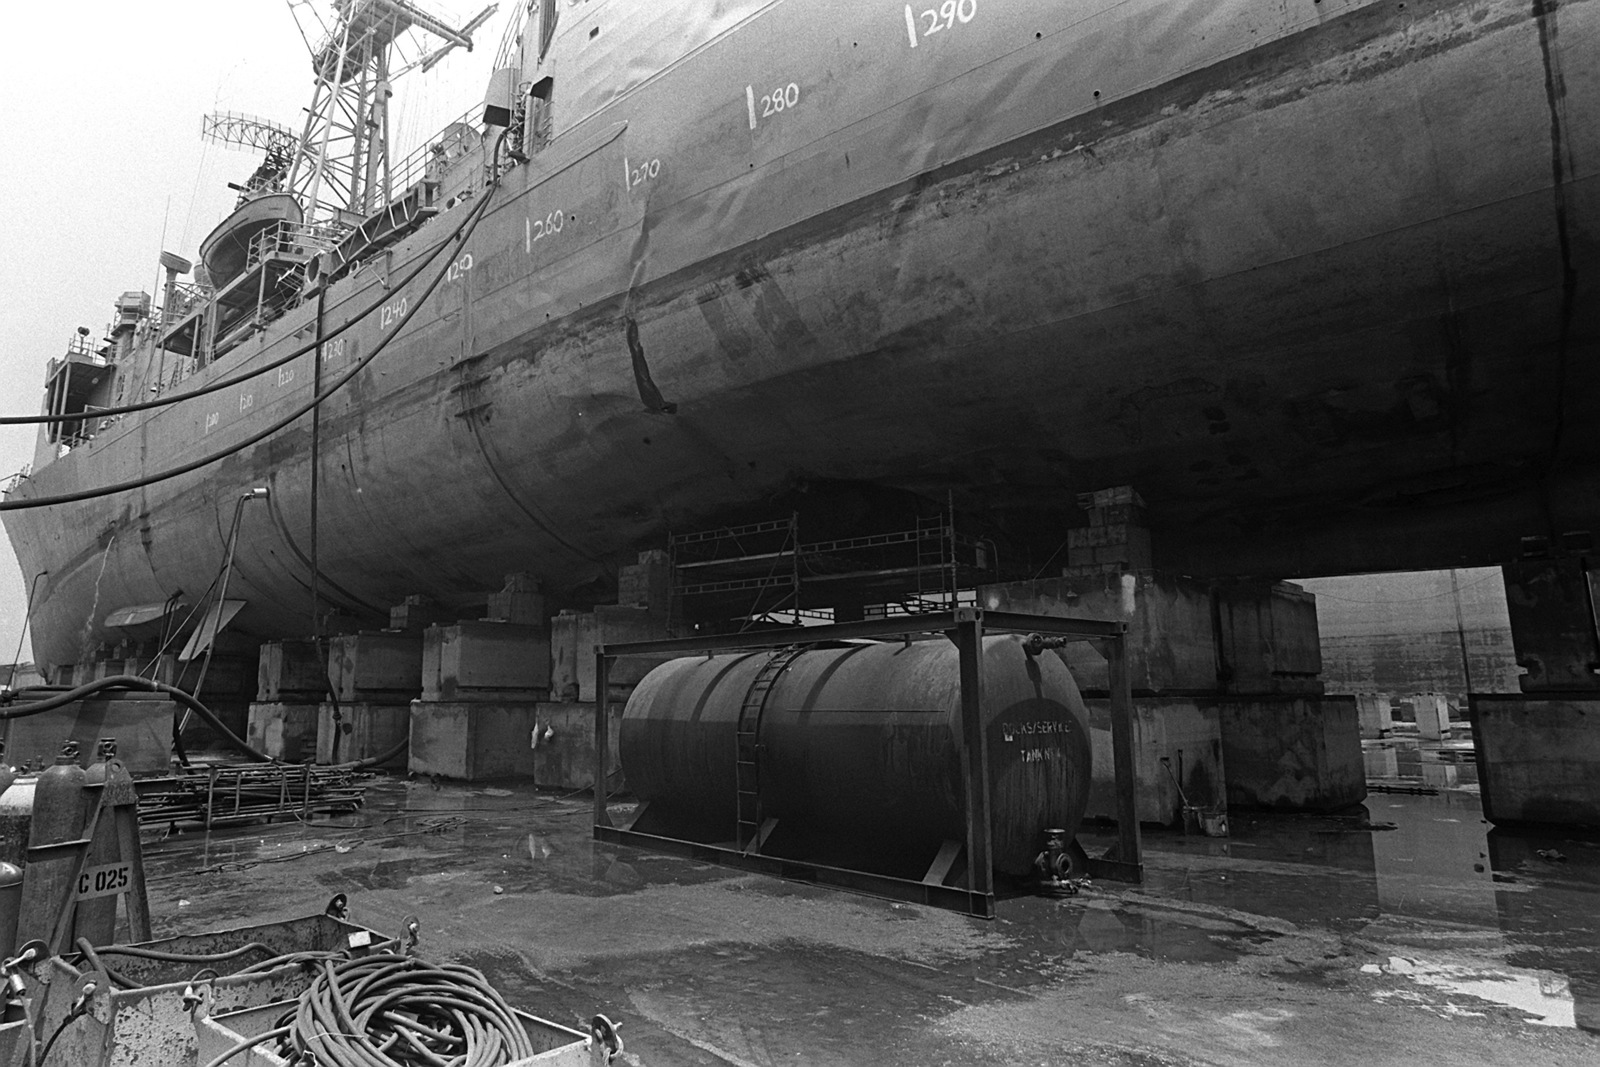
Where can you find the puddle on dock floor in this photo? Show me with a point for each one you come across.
(1417, 863)
(1456, 917)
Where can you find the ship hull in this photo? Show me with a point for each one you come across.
(1328, 301)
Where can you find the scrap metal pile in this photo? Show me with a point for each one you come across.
(220, 795)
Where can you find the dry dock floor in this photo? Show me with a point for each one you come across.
(1402, 933)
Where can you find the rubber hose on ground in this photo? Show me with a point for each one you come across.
(386, 1010)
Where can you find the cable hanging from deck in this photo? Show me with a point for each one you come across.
(462, 234)
(237, 379)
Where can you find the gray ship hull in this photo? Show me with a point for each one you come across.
(1324, 291)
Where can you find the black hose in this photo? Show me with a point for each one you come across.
(311, 955)
(177, 957)
(48, 1045)
(385, 1010)
(143, 685)
(147, 685)
(380, 759)
(468, 224)
(94, 960)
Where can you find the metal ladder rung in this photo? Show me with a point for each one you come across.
(747, 732)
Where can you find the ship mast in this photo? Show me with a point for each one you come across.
(340, 172)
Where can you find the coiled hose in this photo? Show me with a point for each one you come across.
(387, 1010)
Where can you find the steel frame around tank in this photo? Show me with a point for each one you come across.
(966, 627)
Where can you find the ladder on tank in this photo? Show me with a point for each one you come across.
(936, 565)
(747, 737)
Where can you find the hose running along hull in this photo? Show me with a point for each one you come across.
(1319, 280)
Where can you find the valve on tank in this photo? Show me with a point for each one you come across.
(1058, 864)
(1034, 644)
(17, 994)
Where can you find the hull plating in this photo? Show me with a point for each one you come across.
(1324, 291)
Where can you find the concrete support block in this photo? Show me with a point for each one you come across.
(291, 671)
(564, 757)
(1433, 716)
(472, 740)
(1538, 758)
(1292, 753)
(1170, 642)
(1186, 733)
(1552, 607)
(1184, 635)
(360, 731)
(646, 584)
(499, 662)
(417, 613)
(1120, 543)
(284, 731)
(376, 667)
(141, 723)
(1267, 638)
(1375, 714)
(573, 636)
(520, 602)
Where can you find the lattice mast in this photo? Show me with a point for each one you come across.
(340, 170)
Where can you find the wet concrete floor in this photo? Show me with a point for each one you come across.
(1403, 931)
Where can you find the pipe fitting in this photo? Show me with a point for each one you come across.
(1055, 865)
(1034, 644)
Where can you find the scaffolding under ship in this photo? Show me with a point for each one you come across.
(1317, 277)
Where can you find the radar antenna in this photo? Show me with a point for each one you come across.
(245, 131)
(234, 130)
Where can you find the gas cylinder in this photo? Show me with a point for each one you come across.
(58, 816)
(96, 919)
(10, 902)
(8, 773)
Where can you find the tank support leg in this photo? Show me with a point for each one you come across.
(760, 837)
(1125, 863)
(602, 740)
(968, 636)
(939, 869)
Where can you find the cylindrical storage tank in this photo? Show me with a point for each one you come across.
(863, 743)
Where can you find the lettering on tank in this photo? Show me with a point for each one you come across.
(1011, 731)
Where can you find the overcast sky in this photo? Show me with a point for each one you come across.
(103, 165)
